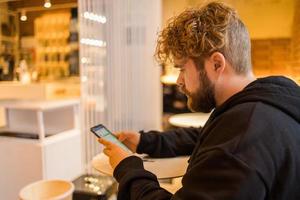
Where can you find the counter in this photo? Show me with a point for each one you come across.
(41, 91)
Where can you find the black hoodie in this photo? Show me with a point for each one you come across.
(248, 149)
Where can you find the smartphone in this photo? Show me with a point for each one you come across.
(102, 132)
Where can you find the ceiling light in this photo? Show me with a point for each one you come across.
(47, 4)
(93, 42)
(23, 16)
(94, 17)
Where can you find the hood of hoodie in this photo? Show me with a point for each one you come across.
(277, 91)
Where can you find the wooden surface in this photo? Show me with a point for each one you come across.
(161, 167)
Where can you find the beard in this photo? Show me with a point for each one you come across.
(203, 100)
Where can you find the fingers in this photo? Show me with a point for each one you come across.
(106, 151)
(117, 134)
(107, 146)
(121, 136)
(106, 143)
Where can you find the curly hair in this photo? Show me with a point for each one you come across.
(198, 32)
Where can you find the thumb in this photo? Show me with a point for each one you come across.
(122, 137)
(117, 134)
(105, 142)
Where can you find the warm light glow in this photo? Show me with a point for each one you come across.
(84, 79)
(47, 4)
(94, 17)
(25, 78)
(169, 79)
(93, 42)
(85, 60)
(23, 16)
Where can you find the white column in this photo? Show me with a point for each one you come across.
(120, 79)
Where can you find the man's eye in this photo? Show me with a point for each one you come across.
(181, 70)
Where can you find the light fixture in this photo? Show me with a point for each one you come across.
(93, 42)
(23, 16)
(94, 17)
(47, 4)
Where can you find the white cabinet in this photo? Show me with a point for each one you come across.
(41, 140)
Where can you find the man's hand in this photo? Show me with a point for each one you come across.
(129, 138)
(115, 153)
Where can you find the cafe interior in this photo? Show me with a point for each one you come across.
(68, 65)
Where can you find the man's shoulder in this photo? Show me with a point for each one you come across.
(241, 122)
(256, 110)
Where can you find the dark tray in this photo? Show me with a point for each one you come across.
(83, 191)
(20, 135)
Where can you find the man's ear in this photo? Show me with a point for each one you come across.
(218, 61)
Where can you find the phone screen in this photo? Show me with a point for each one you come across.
(103, 132)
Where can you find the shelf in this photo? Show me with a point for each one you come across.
(38, 91)
(8, 39)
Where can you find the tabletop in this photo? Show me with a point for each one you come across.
(189, 119)
(161, 167)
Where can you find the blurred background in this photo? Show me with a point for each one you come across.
(67, 65)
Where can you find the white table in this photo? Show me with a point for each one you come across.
(161, 167)
(189, 119)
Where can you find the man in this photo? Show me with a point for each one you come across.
(250, 146)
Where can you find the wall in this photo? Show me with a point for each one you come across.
(296, 41)
(172, 8)
(264, 19)
(274, 27)
(2, 117)
(271, 56)
(267, 18)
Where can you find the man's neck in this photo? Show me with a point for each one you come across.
(231, 86)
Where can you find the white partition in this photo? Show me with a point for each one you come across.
(120, 79)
